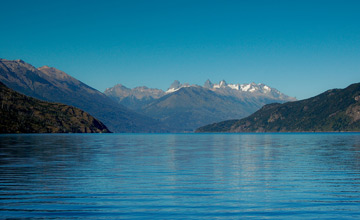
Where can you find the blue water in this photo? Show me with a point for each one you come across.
(180, 176)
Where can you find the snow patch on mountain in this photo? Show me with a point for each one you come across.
(120, 92)
(222, 85)
(176, 85)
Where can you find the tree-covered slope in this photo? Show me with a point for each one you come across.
(333, 110)
(23, 114)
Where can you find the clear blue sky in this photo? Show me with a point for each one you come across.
(300, 47)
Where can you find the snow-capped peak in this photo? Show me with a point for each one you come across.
(170, 90)
(222, 84)
(255, 89)
(175, 86)
(247, 87)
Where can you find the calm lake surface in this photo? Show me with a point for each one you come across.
(180, 176)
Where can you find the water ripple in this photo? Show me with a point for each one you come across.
(185, 176)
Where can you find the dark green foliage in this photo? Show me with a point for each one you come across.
(333, 110)
(23, 114)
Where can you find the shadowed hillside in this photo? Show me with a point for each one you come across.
(49, 84)
(333, 110)
(23, 114)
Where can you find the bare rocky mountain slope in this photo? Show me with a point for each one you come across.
(49, 84)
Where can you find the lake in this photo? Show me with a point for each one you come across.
(180, 176)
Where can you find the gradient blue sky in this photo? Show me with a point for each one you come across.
(301, 47)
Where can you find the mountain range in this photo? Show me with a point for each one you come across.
(23, 114)
(333, 110)
(49, 84)
(184, 107)
(181, 108)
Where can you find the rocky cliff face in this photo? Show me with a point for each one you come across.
(23, 114)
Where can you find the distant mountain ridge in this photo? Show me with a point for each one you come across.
(333, 110)
(184, 107)
(133, 98)
(189, 107)
(23, 114)
(49, 84)
(245, 88)
(144, 95)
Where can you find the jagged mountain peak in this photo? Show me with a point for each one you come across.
(253, 89)
(15, 65)
(208, 84)
(222, 84)
(224, 88)
(183, 106)
(176, 85)
(246, 88)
